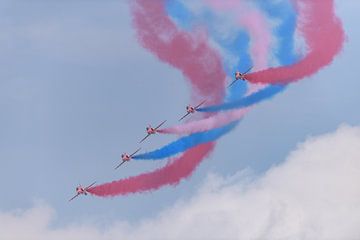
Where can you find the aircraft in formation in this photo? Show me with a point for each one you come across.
(150, 131)
(240, 76)
(81, 190)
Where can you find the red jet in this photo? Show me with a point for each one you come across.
(240, 76)
(150, 130)
(191, 109)
(80, 190)
(126, 157)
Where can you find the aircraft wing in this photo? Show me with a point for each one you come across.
(160, 124)
(74, 197)
(248, 70)
(184, 116)
(232, 83)
(90, 186)
(200, 104)
(119, 165)
(144, 138)
(135, 152)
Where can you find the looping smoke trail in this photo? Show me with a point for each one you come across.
(187, 52)
(254, 22)
(324, 36)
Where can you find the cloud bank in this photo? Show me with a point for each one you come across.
(313, 194)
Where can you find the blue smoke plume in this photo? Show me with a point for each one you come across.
(187, 142)
(247, 101)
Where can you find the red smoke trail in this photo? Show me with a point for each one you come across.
(188, 52)
(170, 174)
(324, 36)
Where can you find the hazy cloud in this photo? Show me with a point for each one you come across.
(314, 194)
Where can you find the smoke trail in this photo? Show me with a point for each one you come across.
(171, 174)
(324, 37)
(247, 101)
(258, 28)
(188, 52)
(254, 22)
(185, 143)
(206, 124)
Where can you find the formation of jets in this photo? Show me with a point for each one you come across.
(125, 157)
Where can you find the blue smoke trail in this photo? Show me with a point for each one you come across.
(186, 142)
(180, 14)
(285, 31)
(247, 101)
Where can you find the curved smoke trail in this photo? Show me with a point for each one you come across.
(254, 22)
(164, 176)
(324, 37)
(188, 52)
(260, 35)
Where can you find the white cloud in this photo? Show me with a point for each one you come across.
(314, 194)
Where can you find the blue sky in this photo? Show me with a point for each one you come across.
(74, 95)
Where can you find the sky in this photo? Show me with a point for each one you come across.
(74, 95)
